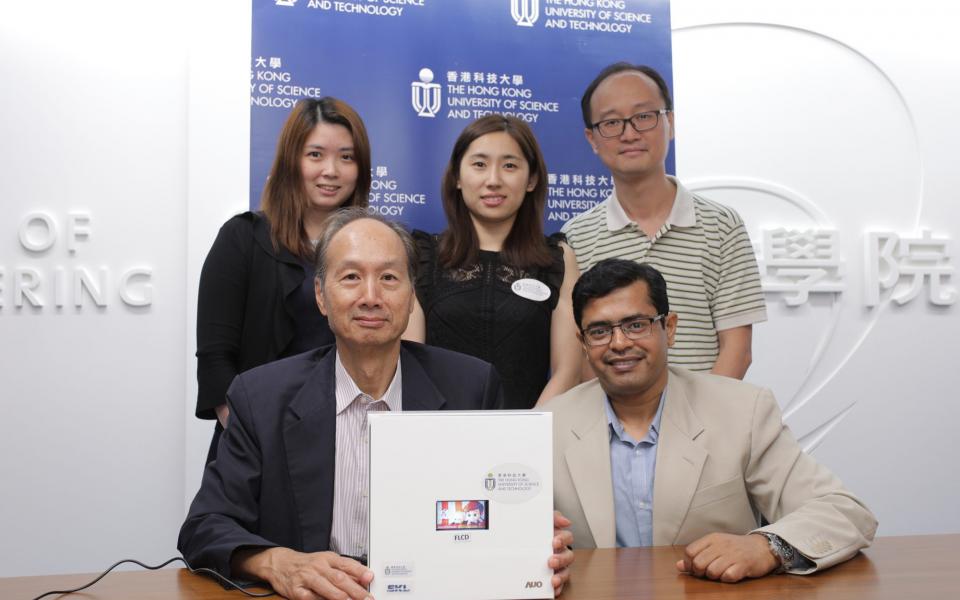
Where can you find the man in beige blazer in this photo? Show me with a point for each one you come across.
(714, 448)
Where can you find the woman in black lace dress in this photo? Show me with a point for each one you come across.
(492, 285)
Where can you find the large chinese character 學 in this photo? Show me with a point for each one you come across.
(275, 62)
(796, 263)
(381, 171)
(890, 257)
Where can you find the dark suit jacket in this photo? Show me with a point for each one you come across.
(272, 481)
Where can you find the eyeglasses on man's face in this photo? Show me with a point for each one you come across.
(642, 121)
(634, 328)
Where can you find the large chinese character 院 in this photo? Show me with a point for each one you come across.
(890, 258)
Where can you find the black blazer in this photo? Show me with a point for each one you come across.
(242, 318)
(272, 481)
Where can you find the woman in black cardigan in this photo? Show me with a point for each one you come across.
(256, 301)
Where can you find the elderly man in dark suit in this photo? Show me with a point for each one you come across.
(285, 501)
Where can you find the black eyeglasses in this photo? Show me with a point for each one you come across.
(642, 121)
(634, 328)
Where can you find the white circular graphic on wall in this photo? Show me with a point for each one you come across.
(785, 137)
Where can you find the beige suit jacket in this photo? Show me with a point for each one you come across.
(724, 457)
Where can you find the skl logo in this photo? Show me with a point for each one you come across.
(533, 584)
(398, 587)
(525, 12)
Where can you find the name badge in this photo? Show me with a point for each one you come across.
(531, 289)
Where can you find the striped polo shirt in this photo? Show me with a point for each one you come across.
(705, 256)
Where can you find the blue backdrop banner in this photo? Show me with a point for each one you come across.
(418, 71)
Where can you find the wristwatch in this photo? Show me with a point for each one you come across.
(784, 552)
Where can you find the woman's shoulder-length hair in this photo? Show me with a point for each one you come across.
(525, 245)
(284, 200)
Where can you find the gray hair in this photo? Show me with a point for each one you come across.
(343, 217)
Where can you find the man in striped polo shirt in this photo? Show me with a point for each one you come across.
(701, 247)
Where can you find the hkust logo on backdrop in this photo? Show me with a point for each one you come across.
(425, 95)
(525, 12)
(471, 94)
(602, 16)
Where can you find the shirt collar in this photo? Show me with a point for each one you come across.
(347, 390)
(681, 214)
(616, 427)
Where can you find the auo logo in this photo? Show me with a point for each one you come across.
(425, 95)
(398, 587)
(533, 584)
(525, 12)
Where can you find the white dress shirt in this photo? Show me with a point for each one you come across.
(349, 532)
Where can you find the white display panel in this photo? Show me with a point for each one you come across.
(461, 504)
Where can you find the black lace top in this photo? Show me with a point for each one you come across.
(473, 310)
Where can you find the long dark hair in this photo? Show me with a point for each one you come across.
(284, 200)
(525, 245)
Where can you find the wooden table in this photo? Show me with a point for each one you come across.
(911, 568)
(901, 568)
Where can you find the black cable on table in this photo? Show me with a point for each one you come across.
(160, 566)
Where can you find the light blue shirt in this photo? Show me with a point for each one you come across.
(633, 465)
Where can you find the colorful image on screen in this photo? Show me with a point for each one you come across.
(462, 514)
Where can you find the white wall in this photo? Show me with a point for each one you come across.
(93, 115)
(115, 110)
(835, 115)
(136, 115)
